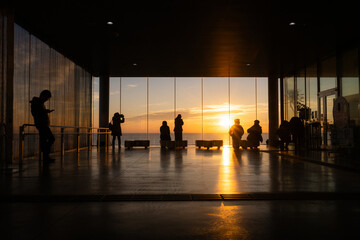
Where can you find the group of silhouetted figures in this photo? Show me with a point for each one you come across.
(291, 131)
(165, 130)
(287, 132)
(254, 135)
(117, 119)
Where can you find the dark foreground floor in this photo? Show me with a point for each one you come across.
(182, 220)
(186, 194)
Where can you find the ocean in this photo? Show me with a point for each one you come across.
(190, 137)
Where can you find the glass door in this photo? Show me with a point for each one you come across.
(326, 104)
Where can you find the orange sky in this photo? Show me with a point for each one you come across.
(213, 119)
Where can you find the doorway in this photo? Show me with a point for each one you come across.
(326, 117)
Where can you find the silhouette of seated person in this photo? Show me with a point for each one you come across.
(165, 132)
(42, 123)
(254, 138)
(115, 128)
(284, 134)
(178, 128)
(236, 131)
(297, 130)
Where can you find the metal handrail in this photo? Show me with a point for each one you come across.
(89, 132)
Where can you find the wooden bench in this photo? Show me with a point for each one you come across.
(209, 143)
(173, 144)
(137, 143)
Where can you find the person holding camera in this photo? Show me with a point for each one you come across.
(115, 128)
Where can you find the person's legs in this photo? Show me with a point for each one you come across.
(113, 141)
(119, 141)
(47, 139)
(178, 136)
(236, 143)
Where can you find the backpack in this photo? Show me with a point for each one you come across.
(111, 126)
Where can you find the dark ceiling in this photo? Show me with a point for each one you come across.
(191, 38)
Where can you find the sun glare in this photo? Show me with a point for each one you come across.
(225, 122)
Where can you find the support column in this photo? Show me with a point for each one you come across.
(9, 45)
(104, 83)
(273, 109)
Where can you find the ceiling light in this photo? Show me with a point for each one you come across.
(248, 64)
(134, 64)
(109, 23)
(292, 23)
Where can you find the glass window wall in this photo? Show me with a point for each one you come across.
(202, 102)
(161, 107)
(350, 86)
(216, 109)
(188, 104)
(262, 106)
(311, 92)
(350, 73)
(38, 67)
(328, 74)
(134, 106)
(289, 98)
(300, 95)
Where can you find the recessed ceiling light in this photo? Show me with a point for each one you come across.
(248, 64)
(292, 23)
(134, 64)
(109, 23)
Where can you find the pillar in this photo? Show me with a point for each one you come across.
(9, 79)
(273, 109)
(104, 83)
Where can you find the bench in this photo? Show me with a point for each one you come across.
(243, 144)
(137, 143)
(173, 144)
(209, 143)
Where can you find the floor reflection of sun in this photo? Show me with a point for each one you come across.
(226, 176)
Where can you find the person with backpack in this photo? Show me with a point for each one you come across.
(236, 131)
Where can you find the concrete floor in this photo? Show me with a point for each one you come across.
(185, 194)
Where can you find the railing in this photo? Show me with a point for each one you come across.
(100, 131)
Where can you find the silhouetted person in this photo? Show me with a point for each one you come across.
(236, 131)
(178, 128)
(284, 134)
(254, 138)
(165, 132)
(297, 130)
(42, 123)
(116, 128)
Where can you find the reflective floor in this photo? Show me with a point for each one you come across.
(191, 170)
(155, 194)
(182, 220)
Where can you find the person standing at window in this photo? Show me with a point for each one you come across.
(115, 128)
(236, 131)
(178, 128)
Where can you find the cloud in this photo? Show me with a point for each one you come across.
(132, 85)
(210, 112)
(112, 93)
